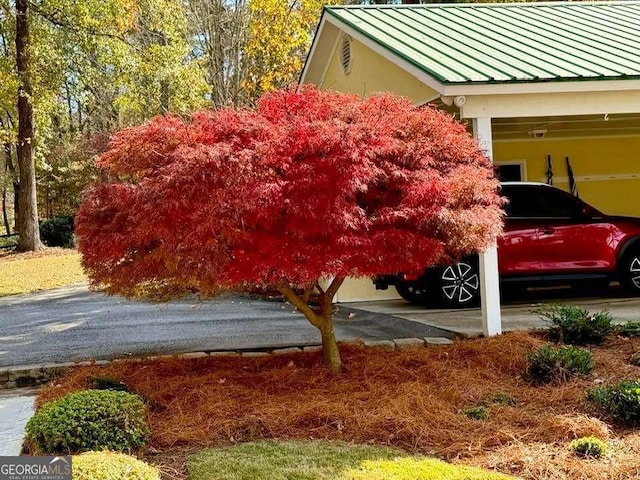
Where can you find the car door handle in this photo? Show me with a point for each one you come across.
(547, 230)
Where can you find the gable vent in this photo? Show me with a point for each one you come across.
(345, 57)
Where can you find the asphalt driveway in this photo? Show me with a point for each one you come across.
(72, 324)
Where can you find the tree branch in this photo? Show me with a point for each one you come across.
(307, 293)
(297, 302)
(335, 285)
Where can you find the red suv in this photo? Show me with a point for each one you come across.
(550, 238)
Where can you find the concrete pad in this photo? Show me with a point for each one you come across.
(515, 315)
(15, 412)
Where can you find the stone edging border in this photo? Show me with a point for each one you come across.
(32, 375)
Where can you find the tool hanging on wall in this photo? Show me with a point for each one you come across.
(572, 181)
(549, 171)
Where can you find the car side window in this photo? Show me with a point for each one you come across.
(553, 203)
(520, 201)
(539, 202)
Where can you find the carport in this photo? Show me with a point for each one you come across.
(533, 79)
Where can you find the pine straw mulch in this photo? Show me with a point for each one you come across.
(412, 399)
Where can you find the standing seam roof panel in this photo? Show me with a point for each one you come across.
(519, 67)
(538, 32)
(611, 35)
(562, 68)
(588, 45)
(471, 61)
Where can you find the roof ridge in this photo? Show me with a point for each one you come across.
(533, 4)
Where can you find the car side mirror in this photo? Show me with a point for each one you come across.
(586, 212)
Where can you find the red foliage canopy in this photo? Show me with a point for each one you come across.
(309, 184)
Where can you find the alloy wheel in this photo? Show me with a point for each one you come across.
(634, 271)
(460, 283)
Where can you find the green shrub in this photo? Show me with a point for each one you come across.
(590, 447)
(635, 359)
(549, 364)
(88, 420)
(58, 231)
(111, 466)
(629, 329)
(500, 399)
(620, 401)
(576, 326)
(479, 412)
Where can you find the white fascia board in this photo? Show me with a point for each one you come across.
(550, 104)
(385, 53)
(584, 86)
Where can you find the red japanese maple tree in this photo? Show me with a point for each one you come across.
(308, 188)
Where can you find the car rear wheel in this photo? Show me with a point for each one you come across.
(413, 291)
(460, 284)
(630, 273)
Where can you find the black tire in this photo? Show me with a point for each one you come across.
(414, 292)
(630, 272)
(459, 284)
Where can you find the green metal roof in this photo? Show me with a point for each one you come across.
(515, 42)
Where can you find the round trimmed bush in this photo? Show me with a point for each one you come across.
(111, 466)
(589, 447)
(620, 401)
(88, 420)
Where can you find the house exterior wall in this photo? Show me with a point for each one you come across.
(371, 73)
(606, 169)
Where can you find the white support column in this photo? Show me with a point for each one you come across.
(489, 278)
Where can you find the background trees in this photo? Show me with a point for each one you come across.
(98, 66)
(309, 185)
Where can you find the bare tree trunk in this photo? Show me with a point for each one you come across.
(321, 318)
(28, 228)
(165, 93)
(5, 215)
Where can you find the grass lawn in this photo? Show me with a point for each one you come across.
(30, 272)
(317, 460)
(414, 400)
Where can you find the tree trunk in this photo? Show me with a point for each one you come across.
(321, 318)
(330, 351)
(28, 228)
(5, 215)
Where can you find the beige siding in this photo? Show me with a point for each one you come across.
(371, 73)
(362, 290)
